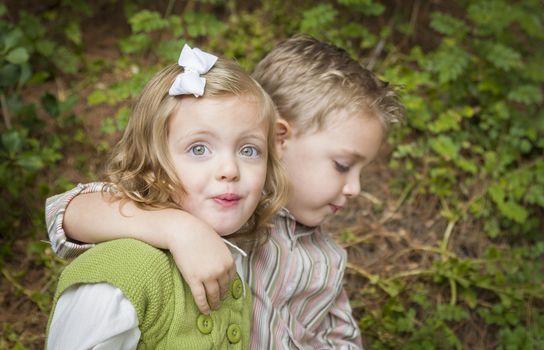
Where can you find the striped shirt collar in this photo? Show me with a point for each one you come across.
(295, 230)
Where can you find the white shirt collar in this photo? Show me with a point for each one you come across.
(238, 254)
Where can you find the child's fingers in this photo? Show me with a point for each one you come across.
(224, 282)
(212, 292)
(199, 294)
(226, 279)
(232, 272)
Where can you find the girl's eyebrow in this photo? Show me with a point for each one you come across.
(249, 135)
(255, 136)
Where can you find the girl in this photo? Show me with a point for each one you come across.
(211, 156)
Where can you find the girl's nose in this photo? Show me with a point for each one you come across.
(228, 170)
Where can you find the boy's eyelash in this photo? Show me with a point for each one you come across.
(341, 167)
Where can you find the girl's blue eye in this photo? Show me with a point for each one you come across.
(341, 167)
(249, 151)
(199, 150)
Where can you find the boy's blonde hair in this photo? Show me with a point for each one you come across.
(310, 80)
(141, 169)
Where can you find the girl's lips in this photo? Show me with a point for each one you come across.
(227, 200)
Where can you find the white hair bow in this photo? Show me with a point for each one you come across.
(194, 62)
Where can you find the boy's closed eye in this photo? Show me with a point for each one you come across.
(341, 167)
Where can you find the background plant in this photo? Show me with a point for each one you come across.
(457, 230)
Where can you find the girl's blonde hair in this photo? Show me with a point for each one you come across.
(140, 168)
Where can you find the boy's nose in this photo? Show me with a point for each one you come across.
(352, 187)
(228, 170)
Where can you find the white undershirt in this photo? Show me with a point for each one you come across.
(93, 316)
(98, 316)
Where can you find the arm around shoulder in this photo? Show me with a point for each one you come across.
(55, 209)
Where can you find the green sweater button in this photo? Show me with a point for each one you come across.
(204, 323)
(237, 288)
(234, 333)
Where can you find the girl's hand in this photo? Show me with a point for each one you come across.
(204, 261)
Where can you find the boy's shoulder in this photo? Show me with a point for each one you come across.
(326, 236)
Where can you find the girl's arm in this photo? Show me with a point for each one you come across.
(203, 259)
(91, 316)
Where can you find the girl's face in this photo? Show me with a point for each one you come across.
(219, 151)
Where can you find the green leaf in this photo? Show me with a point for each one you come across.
(447, 24)
(514, 211)
(121, 117)
(12, 39)
(25, 75)
(73, 32)
(448, 120)
(3, 9)
(367, 7)
(147, 21)
(107, 126)
(316, 19)
(12, 141)
(135, 43)
(9, 75)
(451, 312)
(32, 26)
(202, 24)
(450, 61)
(68, 104)
(491, 16)
(497, 193)
(174, 26)
(46, 47)
(533, 68)
(66, 60)
(444, 146)
(18, 55)
(467, 165)
(30, 162)
(502, 56)
(526, 94)
(97, 97)
(50, 104)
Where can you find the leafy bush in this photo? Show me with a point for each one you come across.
(471, 149)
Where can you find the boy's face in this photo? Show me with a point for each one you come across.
(324, 166)
(219, 152)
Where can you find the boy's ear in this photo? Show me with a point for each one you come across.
(283, 132)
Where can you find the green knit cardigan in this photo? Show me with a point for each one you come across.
(167, 314)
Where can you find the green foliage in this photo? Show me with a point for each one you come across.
(29, 56)
(473, 141)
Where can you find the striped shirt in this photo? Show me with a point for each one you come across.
(296, 281)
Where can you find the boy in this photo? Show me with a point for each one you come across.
(333, 117)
